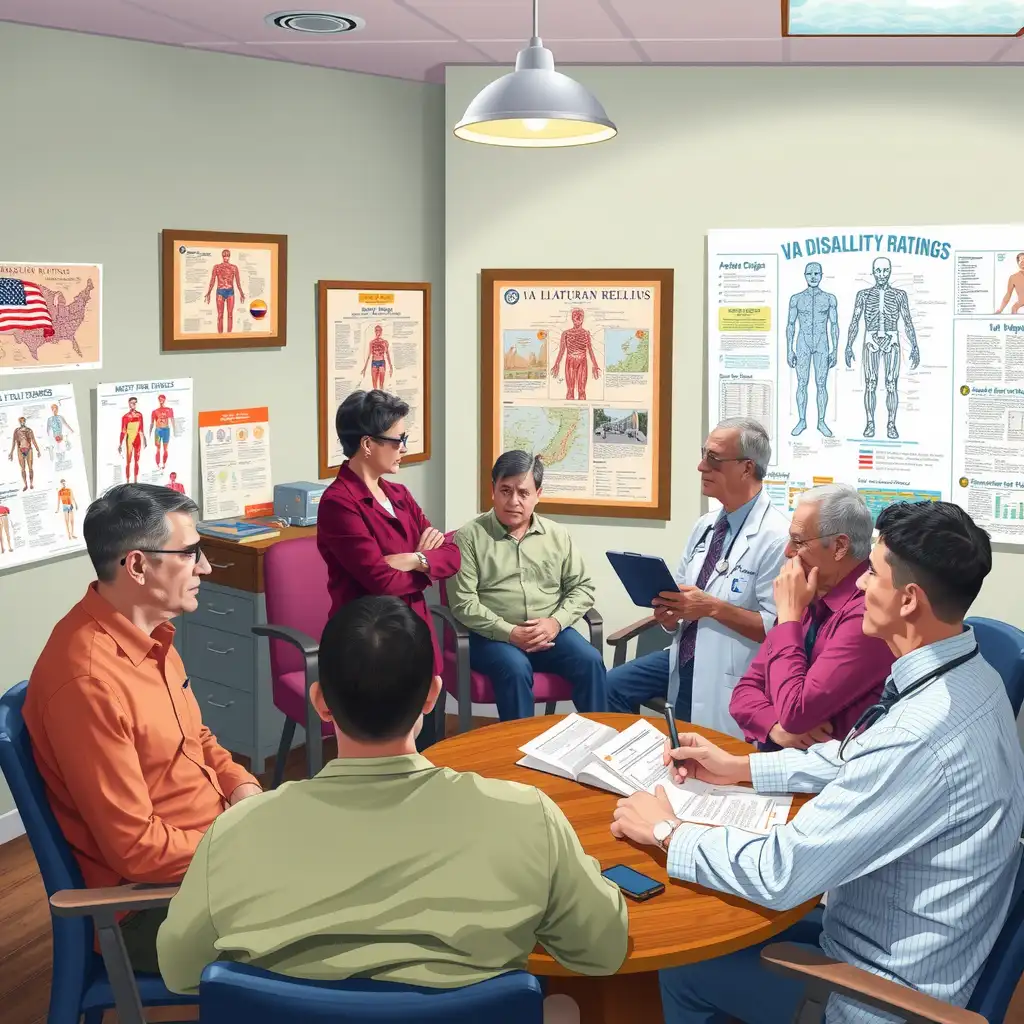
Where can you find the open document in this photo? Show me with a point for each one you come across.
(632, 761)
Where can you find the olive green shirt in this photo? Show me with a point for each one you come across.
(391, 868)
(504, 582)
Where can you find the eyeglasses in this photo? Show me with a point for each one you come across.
(801, 544)
(398, 442)
(716, 460)
(195, 550)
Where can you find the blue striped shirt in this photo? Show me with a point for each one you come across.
(915, 835)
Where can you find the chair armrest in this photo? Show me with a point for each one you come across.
(134, 896)
(305, 643)
(826, 975)
(595, 621)
(627, 633)
(444, 613)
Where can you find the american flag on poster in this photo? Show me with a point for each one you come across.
(23, 308)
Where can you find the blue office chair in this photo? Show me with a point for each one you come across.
(83, 983)
(1002, 646)
(230, 992)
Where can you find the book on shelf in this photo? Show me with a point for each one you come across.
(241, 531)
(632, 761)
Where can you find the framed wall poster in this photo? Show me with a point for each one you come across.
(372, 334)
(576, 367)
(223, 290)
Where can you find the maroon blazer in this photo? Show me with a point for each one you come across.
(353, 534)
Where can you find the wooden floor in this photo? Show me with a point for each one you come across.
(25, 922)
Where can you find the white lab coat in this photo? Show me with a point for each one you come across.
(721, 656)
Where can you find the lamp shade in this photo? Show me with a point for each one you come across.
(535, 106)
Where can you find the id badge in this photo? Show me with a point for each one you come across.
(738, 585)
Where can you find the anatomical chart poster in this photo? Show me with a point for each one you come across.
(373, 335)
(576, 369)
(50, 317)
(44, 489)
(144, 434)
(889, 358)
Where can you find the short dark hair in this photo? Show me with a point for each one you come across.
(367, 414)
(938, 546)
(127, 517)
(376, 663)
(516, 463)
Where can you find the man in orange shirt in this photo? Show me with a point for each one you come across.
(132, 774)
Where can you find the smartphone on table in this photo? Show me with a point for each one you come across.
(632, 883)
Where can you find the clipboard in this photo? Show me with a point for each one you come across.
(643, 576)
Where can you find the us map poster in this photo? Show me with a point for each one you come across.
(889, 358)
(576, 370)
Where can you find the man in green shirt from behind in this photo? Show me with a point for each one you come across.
(384, 866)
(521, 588)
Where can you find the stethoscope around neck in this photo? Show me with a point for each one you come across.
(722, 565)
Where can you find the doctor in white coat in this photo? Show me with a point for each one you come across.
(725, 603)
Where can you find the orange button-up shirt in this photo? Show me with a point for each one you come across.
(132, 774)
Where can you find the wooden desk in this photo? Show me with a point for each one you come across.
(229, 668)
(683, 925)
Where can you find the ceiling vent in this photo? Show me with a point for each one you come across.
(316, 23)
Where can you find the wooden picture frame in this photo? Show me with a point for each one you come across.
(194, 320)
(402, 311)
(629, 309)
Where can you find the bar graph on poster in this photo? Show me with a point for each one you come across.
(888, 358)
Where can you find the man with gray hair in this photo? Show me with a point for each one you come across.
(724, 604)
(816, 670)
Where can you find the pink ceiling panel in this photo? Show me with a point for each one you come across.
(700, 19)
(893, 50)
(1012, 52)
(243, 19)
(716, 51)
(513, 19)
(579, 51)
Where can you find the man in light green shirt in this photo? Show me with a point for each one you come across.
(521, 588)
(384, 866)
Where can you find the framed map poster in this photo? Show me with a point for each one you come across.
(577, 368)
(373, 334)
(223, 290)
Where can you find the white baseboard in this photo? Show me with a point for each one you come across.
(10, 827)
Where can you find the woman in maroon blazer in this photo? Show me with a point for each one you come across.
(371, 533)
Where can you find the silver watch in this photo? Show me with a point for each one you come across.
(663, 831)
(423, 561)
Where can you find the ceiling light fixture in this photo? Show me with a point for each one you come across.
(317, 23)
(535, 106)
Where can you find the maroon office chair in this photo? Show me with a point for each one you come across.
(469, 687)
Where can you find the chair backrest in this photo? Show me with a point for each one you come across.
(295, 582)
(1002, 646)
(230, 992)
(72, 937)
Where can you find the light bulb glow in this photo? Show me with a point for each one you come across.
(535, 124)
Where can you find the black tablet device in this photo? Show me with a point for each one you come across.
(643, 576)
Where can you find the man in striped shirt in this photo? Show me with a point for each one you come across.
(914, 832)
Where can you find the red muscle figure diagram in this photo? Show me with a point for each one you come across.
(174, 485)
(378, 354)
(133, 438)
(576, 345)
(226, 277)
(160, 422)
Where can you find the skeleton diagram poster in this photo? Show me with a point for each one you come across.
(889, 358)
(577, 370)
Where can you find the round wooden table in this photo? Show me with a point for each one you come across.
(683, 925)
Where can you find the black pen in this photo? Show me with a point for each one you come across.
(673, 735)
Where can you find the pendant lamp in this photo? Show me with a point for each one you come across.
(535, 106)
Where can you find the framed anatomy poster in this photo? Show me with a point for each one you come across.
(577, 368)
(373, 335)
(223, 290)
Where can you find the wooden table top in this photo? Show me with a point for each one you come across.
(686, 923)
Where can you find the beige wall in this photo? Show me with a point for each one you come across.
(703, 148)
(129, 138)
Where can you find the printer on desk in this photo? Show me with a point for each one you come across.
(297, 504)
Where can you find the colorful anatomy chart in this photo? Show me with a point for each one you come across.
(234, 448)
(144, 434)
(889, 358)
(44, 489)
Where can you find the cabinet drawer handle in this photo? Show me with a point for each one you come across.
(214, 704)
(217, 611)
(217, 650)
(222, 565)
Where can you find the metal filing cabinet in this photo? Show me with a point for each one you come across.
(229, 668)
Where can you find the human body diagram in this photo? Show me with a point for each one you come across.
(6, 544)
(378, 353)
(226, 278)
(24, 441)
(133, 438)
(66, 503)
(174, 485)
(812, 338)
(882, 307)
(576, 345)
(56, 430)
(1015, 283)
(160, 422)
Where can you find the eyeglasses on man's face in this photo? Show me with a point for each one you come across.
(800, 543)
(715, 461)
(193, 551)
(396, 442)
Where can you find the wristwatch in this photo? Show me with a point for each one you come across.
(664, 830)
(424, 564)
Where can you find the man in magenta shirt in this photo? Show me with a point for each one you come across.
(816, 670)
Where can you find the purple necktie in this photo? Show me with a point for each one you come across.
(688, 638)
